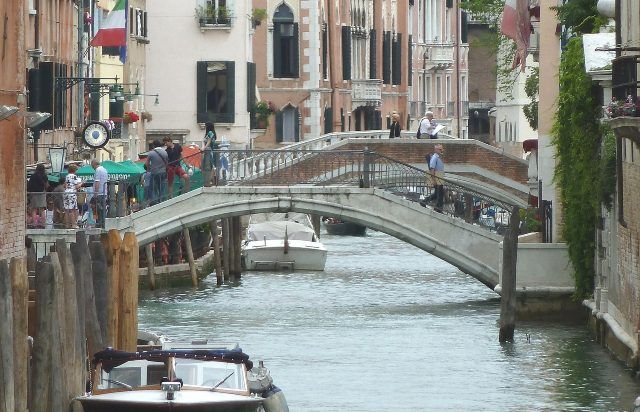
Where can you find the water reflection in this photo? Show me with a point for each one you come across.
(387, 327)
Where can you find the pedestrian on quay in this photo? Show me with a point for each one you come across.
(174, 155)
(57, 194)
(72, 184)
(436, 171)
(394, 127)
(157, 162)
(427, 126)
(100, 178)
(37, 187)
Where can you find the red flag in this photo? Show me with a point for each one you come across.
(516, 25)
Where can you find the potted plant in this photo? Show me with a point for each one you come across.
(146, 116)
(206, 14)
(130, 117)
(223, 15)
(262, 110)
(257, 15)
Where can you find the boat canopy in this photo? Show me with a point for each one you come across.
(277, 230)
(111, 358)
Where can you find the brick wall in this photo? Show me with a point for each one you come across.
(628, 284)
(12, 190)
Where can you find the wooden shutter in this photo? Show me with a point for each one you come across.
(396, 71)
(373, 61)
(449, 4)
(279, 127)
(131, 21)
(378, 119)
(409, 61)
(296, 125)
(386, 58)
(342, 119)
(46, 93)
(251, 85)
(230, 115)
(277, 51)
(201, 93)
(328, 120)
(464, 27)
(346, 53)
(296, 52)
(144, 24)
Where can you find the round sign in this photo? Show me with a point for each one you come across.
(96, 135)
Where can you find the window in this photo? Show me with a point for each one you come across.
(427, 87)
(285, 43)
(216, 90)
(438, 89)
(137, 22)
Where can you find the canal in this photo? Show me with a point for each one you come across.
(388, 327)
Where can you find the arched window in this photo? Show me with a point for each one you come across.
(285, 43)
(288, 124)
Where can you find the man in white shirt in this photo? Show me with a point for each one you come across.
(428, 126)
(100, 178)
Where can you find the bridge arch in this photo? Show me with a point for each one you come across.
(472, 249)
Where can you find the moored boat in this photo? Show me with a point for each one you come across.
(187, 378)
(340, 227)
(282, 241)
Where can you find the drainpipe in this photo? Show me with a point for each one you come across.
(80, 90)
(333, 72)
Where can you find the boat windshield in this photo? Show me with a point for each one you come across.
(133, 374)
(225, 375)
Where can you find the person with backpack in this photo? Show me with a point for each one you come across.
(436, 170)
(157, 162)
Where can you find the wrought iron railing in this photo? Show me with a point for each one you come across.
(624, 77)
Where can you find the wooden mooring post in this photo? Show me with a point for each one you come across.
(225, 248)
(192, 262)
(20, 288)
(216, 251)
(237, 246)
(151, 267)
(508, 283)
(128, 290)
(7, 368)
(315, 221)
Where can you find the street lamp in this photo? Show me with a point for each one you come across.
(57, 157)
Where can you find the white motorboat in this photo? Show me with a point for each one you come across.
(194, 377)
(282, 241)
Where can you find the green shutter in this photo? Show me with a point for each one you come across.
(230, 115)
(279, 127)
(324, 52)
(464, 27)
(449, 4)
(409, 61)
(251, 85)
(346, 53)
(201, 93)
(46, 96)
(277, 52)
(373, 61)
(386, 58)
(396, 71)
(296, 52)
(297, 125)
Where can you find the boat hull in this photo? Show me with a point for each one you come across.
(155, 400)
(345, 229)
(273, 255)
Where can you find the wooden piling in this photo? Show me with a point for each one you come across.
(7, 367)
(216, 251)
(20, 287)
(86, 296)
(60, 344)
(508, 283)
(128, 310)
(41, 359)
(232, 247)
(74, 342)
(192, 262)
(99, 270)
(151, 267)
(237, 238)
(315, 222)
(113, 287)
(225, 248)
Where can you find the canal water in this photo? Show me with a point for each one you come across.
(388, 327)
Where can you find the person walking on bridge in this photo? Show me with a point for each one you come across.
(174, 154)
(436, 170)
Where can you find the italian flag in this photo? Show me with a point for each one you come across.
(113, 31)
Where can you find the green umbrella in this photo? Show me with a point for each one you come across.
(115, 170)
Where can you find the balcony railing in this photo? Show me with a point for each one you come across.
(367, 92)
(624, 77)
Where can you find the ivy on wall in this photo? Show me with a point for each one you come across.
(583, 178)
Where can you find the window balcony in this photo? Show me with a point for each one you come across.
(623, 108)
(436, 55)
(210, 17)
(366, 92)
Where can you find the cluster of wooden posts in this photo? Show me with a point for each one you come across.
(84, 297)
(227, 262)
